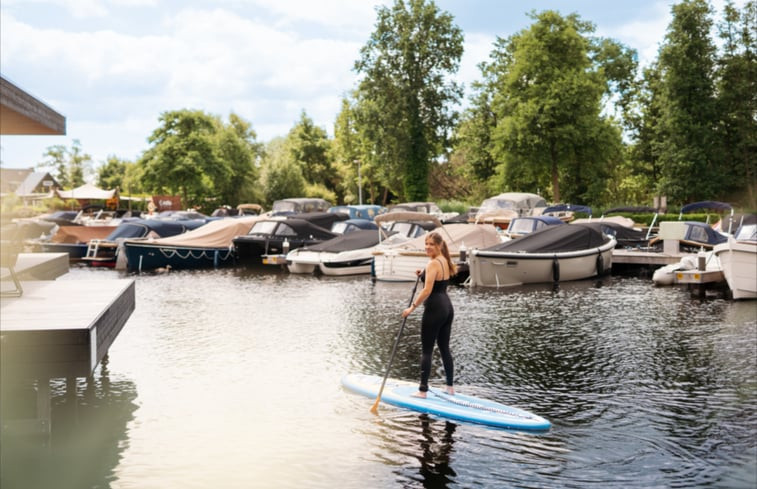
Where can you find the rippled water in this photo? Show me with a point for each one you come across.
(231, 378)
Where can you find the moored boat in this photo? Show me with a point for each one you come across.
(205, 247)
(738, 260)
(553, 254)
(398, 263)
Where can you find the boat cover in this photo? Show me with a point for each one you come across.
(139, 228)
(624, 235)
(706, 204)
(455, 235)
(322, 219)
(80, 234)
(555, 239)
(215, 234)
(356, 240)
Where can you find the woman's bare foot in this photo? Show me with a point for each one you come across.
(450, 390)
(419, 394)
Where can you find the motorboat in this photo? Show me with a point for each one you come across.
(398, 262)
(566, 212)
(703, 261)
(501, 209)
(424, 207)
(106, 252)
(72, 240)
(277, 236)
(686, 237)
(205, 247)
(299, 205)
(521, 226)
(348, 254)
(361, 211)
(738, 260)
(625, 237)
(552, 254)
(352, 254)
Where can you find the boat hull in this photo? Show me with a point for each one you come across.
(738, 261)
(141, 257)
(497, 269)
(398, 266)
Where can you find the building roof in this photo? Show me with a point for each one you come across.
(31, 185)
(21, 113)
(11, 178)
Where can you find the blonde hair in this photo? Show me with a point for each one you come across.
(436, 238)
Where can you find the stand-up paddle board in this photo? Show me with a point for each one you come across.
(437, 402)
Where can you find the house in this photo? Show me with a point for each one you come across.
(12, 178)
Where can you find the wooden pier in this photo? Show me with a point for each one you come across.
(56, 329)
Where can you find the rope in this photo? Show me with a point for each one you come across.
(481, 407)
(170, 253)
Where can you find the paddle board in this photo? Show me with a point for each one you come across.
(458, 406)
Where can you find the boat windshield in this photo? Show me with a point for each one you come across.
(747, 232)
(495, 203)
(263, 227)
(521, 226)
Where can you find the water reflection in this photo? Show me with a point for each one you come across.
(88, 436)
(237, 373)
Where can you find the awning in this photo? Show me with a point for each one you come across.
(87, 191)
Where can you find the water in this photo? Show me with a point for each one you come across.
(231, 378)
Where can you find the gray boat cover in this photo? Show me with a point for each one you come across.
(555, 239)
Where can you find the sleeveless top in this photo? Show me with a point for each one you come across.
(440, 286)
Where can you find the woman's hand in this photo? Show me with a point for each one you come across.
(407, 311)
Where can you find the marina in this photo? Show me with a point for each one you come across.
(233, 376)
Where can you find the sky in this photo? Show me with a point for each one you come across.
(111, 67)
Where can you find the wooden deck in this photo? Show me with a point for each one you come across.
(39, 266)
(62, 328)
(645, 258)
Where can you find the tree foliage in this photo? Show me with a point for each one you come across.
(689, 154)
(195, 155)
(549, 82)
(69, 166)
(404, 97)
(281, 176)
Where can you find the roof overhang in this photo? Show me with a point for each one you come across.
(22, 114)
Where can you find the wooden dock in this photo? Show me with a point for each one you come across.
(55, 329)
(645, 258)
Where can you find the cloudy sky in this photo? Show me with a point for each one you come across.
(112, 66)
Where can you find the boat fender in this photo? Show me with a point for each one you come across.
(555, 270)
(600, 264)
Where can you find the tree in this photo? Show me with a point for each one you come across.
(310, 147)
(68, 166)
(111, 174)
(548, 105)
(737, 99)
(690, 166)
(195, 155)
(280, 175)
(405, 94)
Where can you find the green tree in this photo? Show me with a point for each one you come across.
(111, 173)
(69, 166)
(550, 94)
(737, 99)
(238, 146)
(195, 155)
(405, 95)
(689, 162)
(310, 147)
(280, 175)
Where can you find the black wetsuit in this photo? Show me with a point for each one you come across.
(436, 327)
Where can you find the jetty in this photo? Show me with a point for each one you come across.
(51, 329)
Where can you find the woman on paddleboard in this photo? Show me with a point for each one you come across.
(436, 325)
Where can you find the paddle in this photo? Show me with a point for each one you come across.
(374, 409)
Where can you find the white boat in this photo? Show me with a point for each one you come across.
(398, 263)
(738, 261)
(553, 254)
(352, 254)
(501, 209)
(666, 275)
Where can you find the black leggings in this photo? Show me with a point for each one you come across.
(436, 327)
